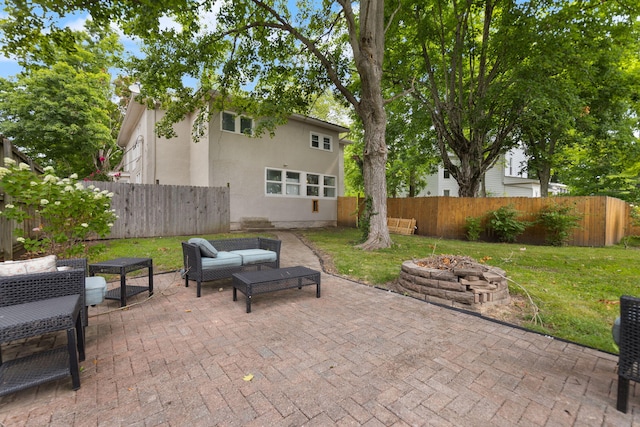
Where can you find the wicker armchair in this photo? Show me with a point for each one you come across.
(193, 260)
(38, 286)
(39, 303)
(629, 359)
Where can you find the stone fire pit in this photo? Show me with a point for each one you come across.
(454, 280)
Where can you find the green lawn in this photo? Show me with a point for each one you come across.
(576, 289)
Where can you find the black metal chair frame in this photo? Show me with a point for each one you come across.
(629, 358)
(40, 303)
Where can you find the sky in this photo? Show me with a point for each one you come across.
(9, 66)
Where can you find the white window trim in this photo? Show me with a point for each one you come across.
(237, 123)
(302, 184)
(321, 138)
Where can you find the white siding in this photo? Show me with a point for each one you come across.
(508, 178)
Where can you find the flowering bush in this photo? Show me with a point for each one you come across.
(68, 212)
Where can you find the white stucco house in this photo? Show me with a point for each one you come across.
(290, 180)
(508, 178)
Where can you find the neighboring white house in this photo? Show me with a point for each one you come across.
(290, 180)
(508, 178)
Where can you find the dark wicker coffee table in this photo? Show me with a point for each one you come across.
(122, 266)
(262, 281)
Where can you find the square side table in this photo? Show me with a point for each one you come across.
(122, 266)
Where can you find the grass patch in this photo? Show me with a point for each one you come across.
(577, 289)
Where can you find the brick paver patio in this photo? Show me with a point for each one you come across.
(356, 356)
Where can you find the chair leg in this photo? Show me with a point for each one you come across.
(623, 394)
(80, 341)
(198, 291)
(73, 358)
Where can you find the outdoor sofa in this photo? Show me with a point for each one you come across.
(207, 260)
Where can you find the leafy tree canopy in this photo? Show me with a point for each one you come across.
(58, 110)
(477, 68)
(284, 57)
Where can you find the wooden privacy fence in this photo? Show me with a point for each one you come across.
(147, 210)
(7, 240)
(605, 220)
(153, 210)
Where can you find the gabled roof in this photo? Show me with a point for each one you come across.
(135, 110)
(318, 122)
(131, 117)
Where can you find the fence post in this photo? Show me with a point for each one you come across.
(6, 235)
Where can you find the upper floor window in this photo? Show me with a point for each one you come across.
(321, 142)
(238, 124)
(447, 175)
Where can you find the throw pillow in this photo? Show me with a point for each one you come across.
(12, 268)
(28, 266)
(41, 265)
(206, 248)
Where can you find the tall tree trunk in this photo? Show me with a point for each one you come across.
(412, 183)
(374, 173)
(544, 175)
(369, 54)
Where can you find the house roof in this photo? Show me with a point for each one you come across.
(318, 122)
(135, 110)
(131, 117)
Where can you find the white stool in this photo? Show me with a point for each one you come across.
(95, 288)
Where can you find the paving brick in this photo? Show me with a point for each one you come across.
(356, 356)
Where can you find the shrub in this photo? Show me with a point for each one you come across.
(68, 213)
(505, 223)
(558, 222)
(473, 227)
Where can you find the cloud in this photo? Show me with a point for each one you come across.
(77, 22)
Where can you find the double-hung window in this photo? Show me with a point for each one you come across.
(321, 142)
(293, 183)
(329, 186)
(299, 184)
(313, 185)
(274, 181)
(236, 124)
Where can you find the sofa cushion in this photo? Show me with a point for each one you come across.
(224, 259)
(29, 266)
(256, 256)
(206, 248)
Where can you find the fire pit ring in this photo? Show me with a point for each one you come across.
(457, 281)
